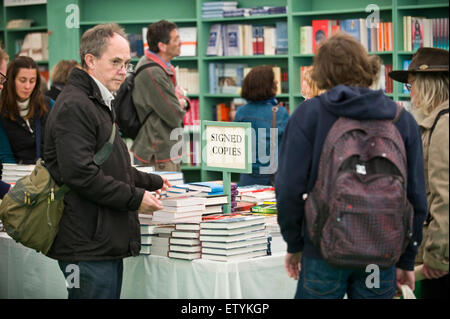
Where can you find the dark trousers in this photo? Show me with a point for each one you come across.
(93, 279)
(435, 288)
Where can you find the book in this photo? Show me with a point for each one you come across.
(253, 254)
(184, 255)
(233, 40)
(147, 229)
(184, 234)
(234, 251)
(180, 219)
(170, 175)
(188, 39)
(213, 209)
(182, 201)
(147, 240)
(230, 221)
(235, 244)
(416, 32)
(209, 187)
(182, 248)
(306, 40)
(166, 215)
(145, 250)
(184, 241)
(187, 226)
(232, 238)
(182, 209)
(215, 40)
(265, 209)
(233, 231)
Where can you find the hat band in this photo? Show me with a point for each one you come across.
(424, 67)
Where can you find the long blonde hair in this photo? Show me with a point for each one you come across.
(431, 90)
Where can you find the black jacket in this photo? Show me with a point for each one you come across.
(21, 140)
(100, 221)
(55, 89)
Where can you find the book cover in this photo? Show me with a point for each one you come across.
(233, 40)
(184, 234)
(188, 39)
(233, 231)
(184, 241)
(208, 187)
(417, 32)
(215, 40)
(187, 226)
(320, 32)
(265, 209)
(182, 248)
(352, 27)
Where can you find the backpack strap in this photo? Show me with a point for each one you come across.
(102, 155)
(442, 112)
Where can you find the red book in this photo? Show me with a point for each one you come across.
(321, 30)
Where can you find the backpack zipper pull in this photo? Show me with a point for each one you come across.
(52, 194)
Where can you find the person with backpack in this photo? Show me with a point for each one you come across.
(159, 102)
(427, 80)
(350, 186)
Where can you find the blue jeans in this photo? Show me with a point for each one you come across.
(318, 280)
(93, 279)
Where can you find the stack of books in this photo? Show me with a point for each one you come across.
(214, 195)
(148, 232)
(13, 172)
(160, 242)
(175, 178)
(233, 237)
(257, 194)
(215, 9)
(184, 241)
(184, 209)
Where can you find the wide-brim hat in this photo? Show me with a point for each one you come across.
(425, 60)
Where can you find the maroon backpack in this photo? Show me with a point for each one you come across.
(358, 213)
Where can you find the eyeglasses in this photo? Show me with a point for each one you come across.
(118, 65)
(2, 78)
(408, 86)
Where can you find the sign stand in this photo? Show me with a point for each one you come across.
(226, 148)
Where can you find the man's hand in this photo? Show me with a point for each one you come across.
(292, 264)
(165, 187)
(149, 204)
(405, 277)
(433, 273)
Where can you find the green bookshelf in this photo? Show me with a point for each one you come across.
(133, 15)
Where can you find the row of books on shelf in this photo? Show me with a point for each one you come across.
(247, 40)
(228, 77)
(378, 38)
(188, 79)
(422, 32)
(219, 9)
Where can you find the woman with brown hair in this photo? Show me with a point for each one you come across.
(259, 89)
(59, 75)
(23, 112)
(427, 80)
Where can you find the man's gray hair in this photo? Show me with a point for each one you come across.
(95, 40)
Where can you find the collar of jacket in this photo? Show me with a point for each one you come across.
(428, 121)
(82, 80)
(169, 70)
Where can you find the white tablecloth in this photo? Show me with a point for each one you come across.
(27, 274)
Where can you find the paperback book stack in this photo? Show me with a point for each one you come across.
(148, 232)
(233, 237)
(213, 193)
(215, 9)
(184, 241)
(13, 172)
(183, 209)
(256, 194)
(160, 243)
(175, 178)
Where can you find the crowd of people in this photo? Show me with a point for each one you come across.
(67, 124)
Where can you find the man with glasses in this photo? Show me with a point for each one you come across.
(100, 223)
(159, 102)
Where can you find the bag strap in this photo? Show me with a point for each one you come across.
(442, 112)
(37, 123)
(272, 135)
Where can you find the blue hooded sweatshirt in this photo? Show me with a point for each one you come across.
(299, 158)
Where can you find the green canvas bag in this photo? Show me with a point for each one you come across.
(32, 209)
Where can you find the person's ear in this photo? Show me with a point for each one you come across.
(90, 60)
(162, 47)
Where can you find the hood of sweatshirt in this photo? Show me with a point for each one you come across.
(358, 103)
